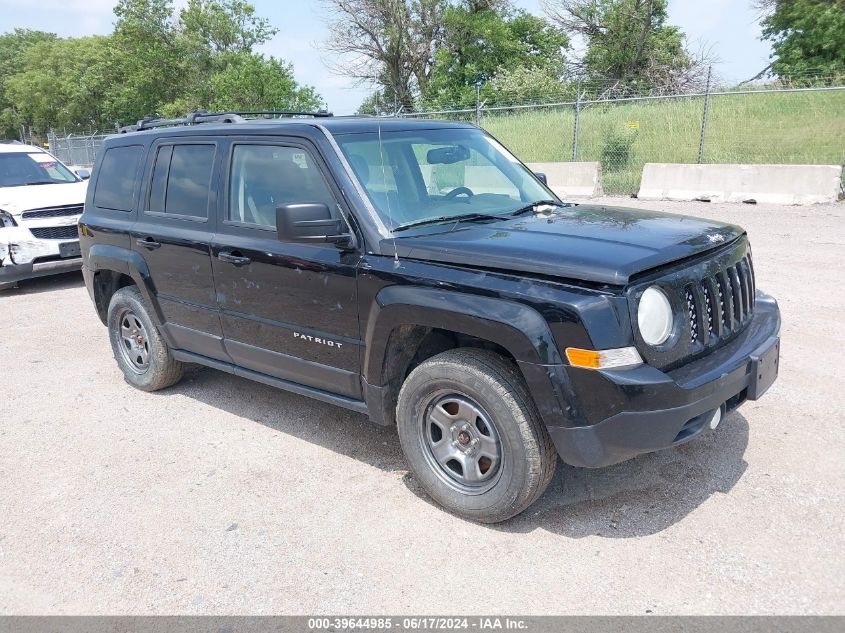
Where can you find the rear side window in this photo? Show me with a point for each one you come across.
(117, 178)
(181, 180)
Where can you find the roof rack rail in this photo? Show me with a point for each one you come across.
(195, 118)
(282, 113)
(191, 119)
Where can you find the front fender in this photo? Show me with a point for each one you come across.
(518, 328)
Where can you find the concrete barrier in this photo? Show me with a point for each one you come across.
(775, 184)
(571, 179)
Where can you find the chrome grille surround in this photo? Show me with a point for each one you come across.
(53, 212)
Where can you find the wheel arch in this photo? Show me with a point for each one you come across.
(408, 324)
(113, 268)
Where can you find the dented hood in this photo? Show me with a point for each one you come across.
(593, 243)
(16, 200)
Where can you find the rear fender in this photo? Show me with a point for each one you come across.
(108, 257)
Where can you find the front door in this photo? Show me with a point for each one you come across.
(176, 221)
(288, 310)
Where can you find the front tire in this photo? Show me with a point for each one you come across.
(139, 349)
(472, 435)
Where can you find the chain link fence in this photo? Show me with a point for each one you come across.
(76, 149)
(800, 122)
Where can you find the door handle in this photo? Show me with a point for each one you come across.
(233, 258)
(148, 242)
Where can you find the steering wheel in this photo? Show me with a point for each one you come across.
(458, 191)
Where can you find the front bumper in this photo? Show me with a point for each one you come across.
(15, 273)
(635, 411)
(23, 256)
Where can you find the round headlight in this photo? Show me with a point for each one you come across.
(654, 316)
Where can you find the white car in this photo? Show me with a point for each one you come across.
(40, 203)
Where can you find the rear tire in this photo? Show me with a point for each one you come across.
(139, 349)
(472, 435)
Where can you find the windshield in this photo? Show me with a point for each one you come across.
(32, 168)
(418, 175)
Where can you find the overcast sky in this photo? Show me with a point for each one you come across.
(729, 26)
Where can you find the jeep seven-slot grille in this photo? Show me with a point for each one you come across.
(692, 312)
(56, 232)
(53, 212)
(719, 305)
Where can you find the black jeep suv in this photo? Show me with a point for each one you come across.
(416, 271)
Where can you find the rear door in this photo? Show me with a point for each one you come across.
(173, 234)
(288, 310)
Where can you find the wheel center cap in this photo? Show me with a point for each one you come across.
(139, 340)
(463, 438)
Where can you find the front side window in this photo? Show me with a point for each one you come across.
(415, 175)
(18, 169)
(182, 180)
(117, 177)
(266, 176)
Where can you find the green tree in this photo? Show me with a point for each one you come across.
(213, 33)
(806, 35)
(386, 43)
(148, 58)
(482, 41)
(527, 85)
(63, 84)
(380, 101)
(13, 46)
(630, 42)
(156, 62)
(253, 82)
(225, 26)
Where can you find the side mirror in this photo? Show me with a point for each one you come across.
(85, 174)
(309, 222)
(541, 177)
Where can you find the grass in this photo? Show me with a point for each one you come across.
(796, 127)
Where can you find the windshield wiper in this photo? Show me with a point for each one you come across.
(465, 217)
(534, 205)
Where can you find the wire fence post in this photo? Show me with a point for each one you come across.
(478, 103)
(704, 117)
(89, 149)
(576, 128)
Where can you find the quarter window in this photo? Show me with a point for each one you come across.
(157, 187)
(266, 176)
(181, 180)
(117, 178)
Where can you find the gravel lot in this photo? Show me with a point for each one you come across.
(225, 496)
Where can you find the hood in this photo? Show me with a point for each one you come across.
(16, 200)
(593, 243)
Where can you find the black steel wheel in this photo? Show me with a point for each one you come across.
(472, 435)
(139, 349)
